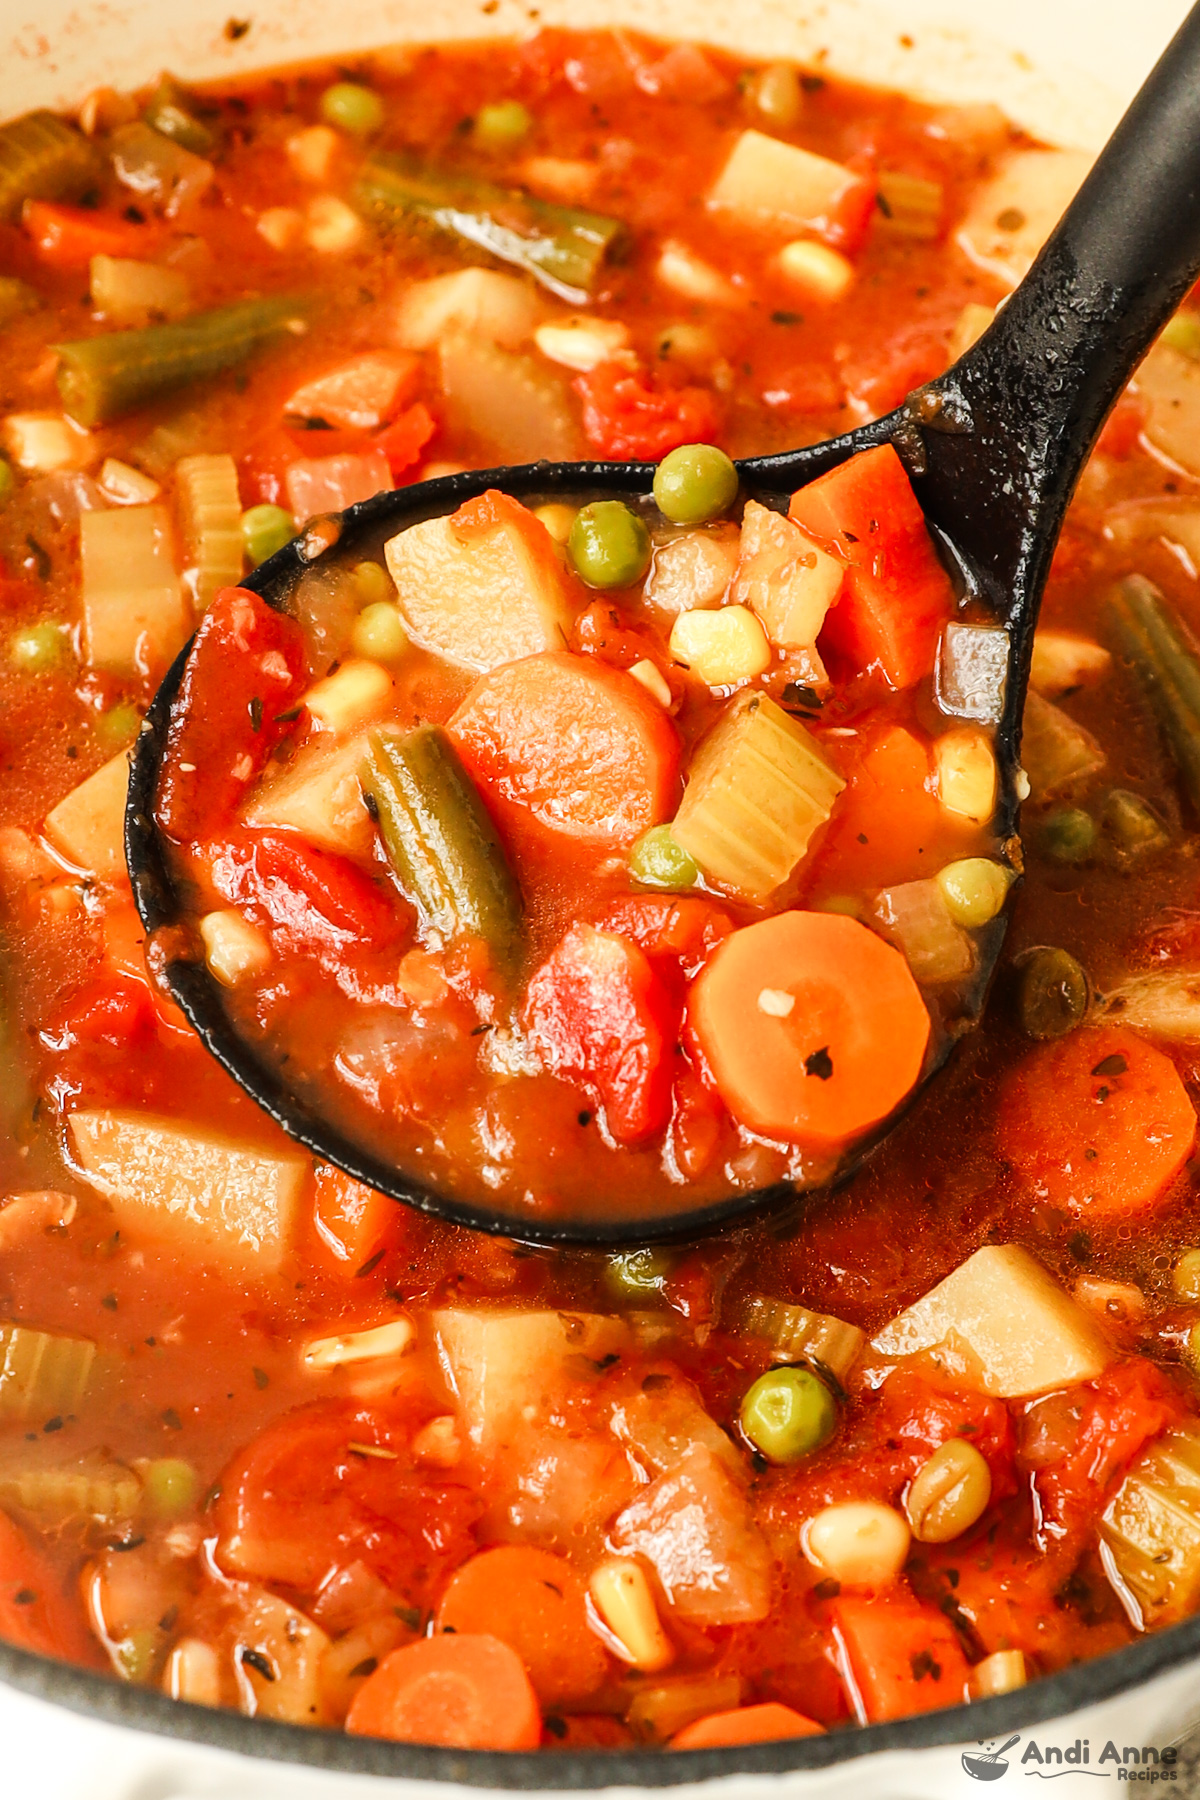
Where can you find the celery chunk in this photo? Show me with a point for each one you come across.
(758, 789)
(1151, 1529)
(797, 1335)
(43, 158)
(212, 515)
(43, 1376)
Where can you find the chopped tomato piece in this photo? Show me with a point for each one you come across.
(624, 416)
(601, 1016)
(897, 597)
(685, 927)
(899, 1658)
(1118, 1415)
(313, 897)
(405, 439)
(244, 676)
(35, 1613)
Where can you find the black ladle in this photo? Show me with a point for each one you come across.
(994, 448)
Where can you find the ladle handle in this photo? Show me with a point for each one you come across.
(1024, 406)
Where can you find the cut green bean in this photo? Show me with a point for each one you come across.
(563, 247)
(439, 838)
(175, 114)
(43, 158)
(1166, 664)
(100, 378)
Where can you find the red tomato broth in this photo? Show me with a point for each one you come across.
(375, 1474)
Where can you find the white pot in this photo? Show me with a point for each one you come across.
(1064, 69)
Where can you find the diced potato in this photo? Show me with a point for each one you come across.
(1170, 383)
(332, 228)
(1012, 215)
(193, 1673)
(189, 1184)
(134, 615)
(319, 796)
(40, 443)
(269, 1631)
(768, 183)
(787, 579)
(758, 788)
(281, 226)
(508, 1368)
(688, 275)
(234, 949)
(723, 645)
(565, 178)
(914, 916)
(1062, 661)
(1152, 1529)
(134, 293)
(1058, 753)
(818, 271)
(311, 152)
(43, 1375)
(88, 827)
(480, 303)
(513, 403)
(965, 773)
(581, 343)
(661, 1426)
(693, 569)
(972, 672)
(693, 1526)
(354, 695)
(1025, 1333)
(359, 395)
(482, 601)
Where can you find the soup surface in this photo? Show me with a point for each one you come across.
(463, 836)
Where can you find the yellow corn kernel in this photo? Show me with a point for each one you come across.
(392, 1339)
(723, 647)
(651, 678)
(1000, 1673)
(193, 1673)
(824, 274)
(685, 273)
(311, 152)
(965, 768)
(233, 948)
(558, 519)
(281, 226)
(621, 1595)
(331, 227)
(861, 1543)
(580, 342)
(356, 693)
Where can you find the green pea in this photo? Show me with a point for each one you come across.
(378, 633)
(266, 529)
(353, 108)
(36, 649)
(170, 1486)
(787, 1414)
(609, 545)
(1069, 835)
(119, 725)
(1052, 992)
(694, 484)
(974, 889)
(657, 861)
(8, 480)
(502, 124)
(638, 1275)
(372, 584)
(1132, 824)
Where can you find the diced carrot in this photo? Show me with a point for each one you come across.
(536, 1604)
(600, 1015)
(745, 1725)
(888, 826)
(898, 1658)
(1099, 1123)
(245, 673)
(352, 1220)
(812, 1026)
(469, 1692)
(898, 596)
(68, 237)
(580, 745)
(34, 1612)
(624, 416)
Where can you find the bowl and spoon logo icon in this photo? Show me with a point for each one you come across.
(988, 1765)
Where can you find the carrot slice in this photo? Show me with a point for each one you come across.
(580, 745)
(898, 1657)
(536, 1604)
(469, 1692)
(1098, 1122)
(68, 237)
(745, 1725)
(812, 1026)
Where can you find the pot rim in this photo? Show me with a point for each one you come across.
(1071, 1690)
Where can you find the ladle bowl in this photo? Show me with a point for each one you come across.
(994, 449)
